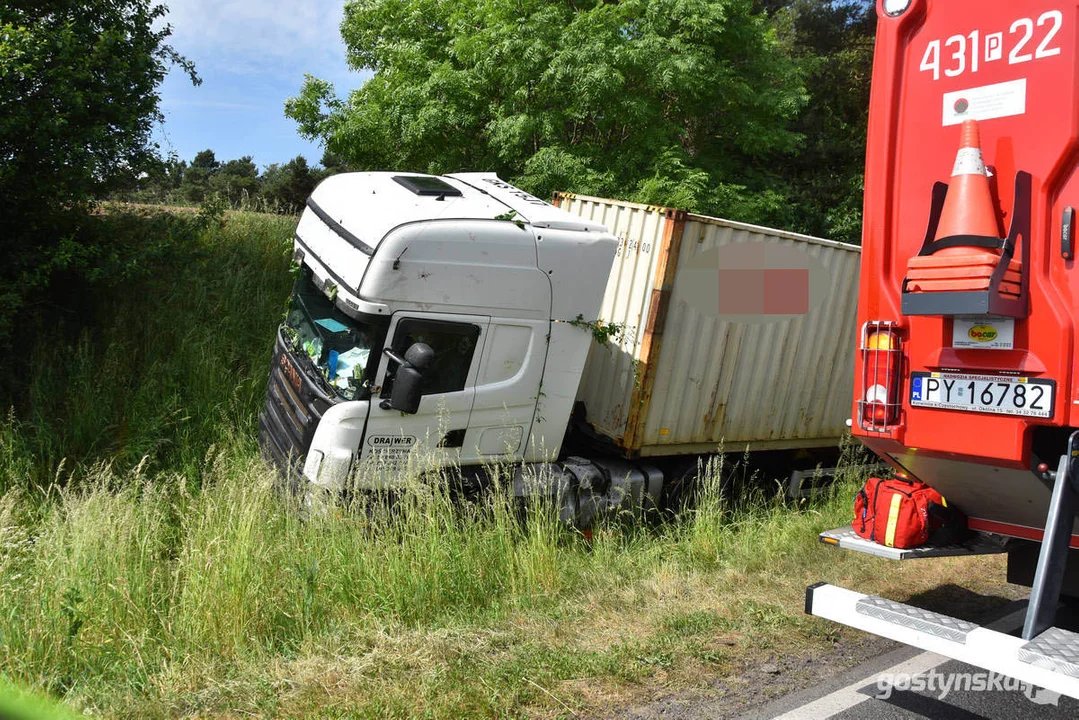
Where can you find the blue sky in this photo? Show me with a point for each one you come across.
(251, 55)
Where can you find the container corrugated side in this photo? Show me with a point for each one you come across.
(767, 384)
(611, 384)
(683, 381)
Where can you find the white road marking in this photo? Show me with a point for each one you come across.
(848, 696)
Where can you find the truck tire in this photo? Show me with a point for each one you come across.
(682, 491)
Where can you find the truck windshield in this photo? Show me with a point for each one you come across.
(340, 347)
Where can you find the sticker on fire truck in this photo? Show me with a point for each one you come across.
(984, 333)
(997, 394)
(986, 102)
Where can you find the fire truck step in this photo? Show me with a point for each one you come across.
(1055, 649)
(926, 621)
(846, 539)
(1051, 661)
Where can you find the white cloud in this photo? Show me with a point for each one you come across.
(261, 37)
(252, 56)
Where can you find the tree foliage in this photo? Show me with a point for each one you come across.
(285, 188)
(236, 180)
(79, 81)
(279, 188)
(833, 41)
(666, 101)
(79, 87)
(196, 179)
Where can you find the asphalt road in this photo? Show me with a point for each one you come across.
(908, 684)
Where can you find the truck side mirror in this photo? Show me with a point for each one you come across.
(408, 382)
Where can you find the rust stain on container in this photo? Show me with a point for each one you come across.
(667, 264)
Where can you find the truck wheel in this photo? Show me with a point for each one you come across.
(677, 492)
(691, 477)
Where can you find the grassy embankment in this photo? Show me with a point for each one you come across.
(146, 569)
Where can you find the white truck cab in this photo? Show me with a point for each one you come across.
(485, 275)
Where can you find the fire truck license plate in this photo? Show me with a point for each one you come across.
(1002, 395)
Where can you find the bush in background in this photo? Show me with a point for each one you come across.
(155, 365)
(79, 82)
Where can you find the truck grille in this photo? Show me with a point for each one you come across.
(294, 405)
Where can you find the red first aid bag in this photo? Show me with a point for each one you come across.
(904, 514)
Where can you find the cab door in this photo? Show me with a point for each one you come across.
(433, 436)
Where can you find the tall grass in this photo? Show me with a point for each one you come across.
(147, 567)
(120, 585)
(159, 368)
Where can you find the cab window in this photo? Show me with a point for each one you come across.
(454, 345)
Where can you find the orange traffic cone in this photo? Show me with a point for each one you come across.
(968, 206)
(968, 210)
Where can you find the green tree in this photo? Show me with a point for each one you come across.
(159, 183)
(660, 100)
(236, 180)
(196, 183)
(834, 43)
(287, 187)
(79, 87)
(332, 163)
(206, 160)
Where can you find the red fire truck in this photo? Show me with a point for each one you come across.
(967, 371)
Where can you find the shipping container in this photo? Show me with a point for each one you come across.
(735, 336)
